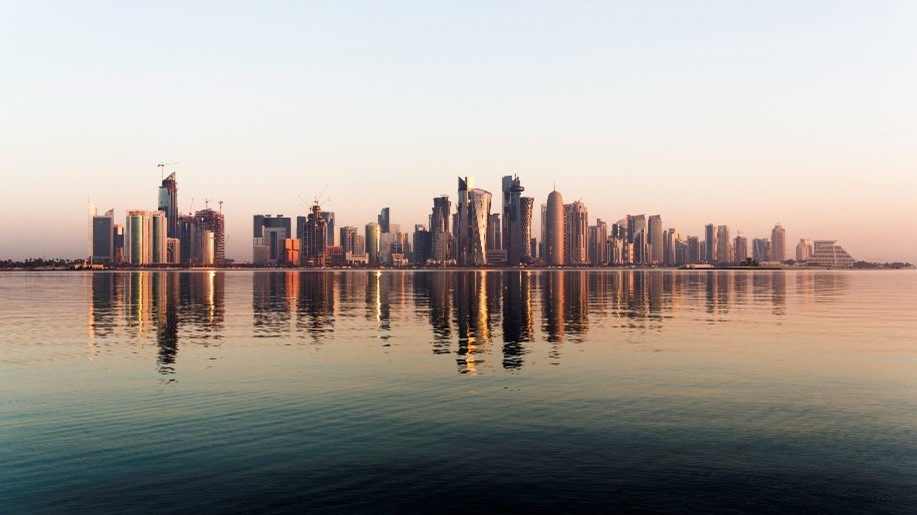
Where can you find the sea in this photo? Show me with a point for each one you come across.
(458, 391)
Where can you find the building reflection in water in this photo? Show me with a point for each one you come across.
(164, 306)
(467, 312)
(517, 317)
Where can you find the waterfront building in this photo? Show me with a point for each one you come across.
(655, 244)
(494, 232)
(693, 251)
(439, 228)
(479, 213)
(159, 230)
(576, 233)
(329, 218)
(137, 243)
(373, 243)
(103, 248)
(598, 242)
(517, 222)
(348, 233)
(828, 253)
(213, 222)
(723, 243)
(670, 246)
(740, 248)
(761, 250)
(315, 239)
(778, 243)
(710, 243)
(803, 250)
(168, 204)
(422, 245)
(384, 220)
(554, 230)
(118, 244)
(269, 233)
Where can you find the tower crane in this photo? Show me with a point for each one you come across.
(162, 168)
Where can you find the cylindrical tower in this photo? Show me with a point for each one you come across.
(554, 230)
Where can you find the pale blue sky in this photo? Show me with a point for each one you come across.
(739, 113)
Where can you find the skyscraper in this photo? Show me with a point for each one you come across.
(741, 249)
(103, 250)
(761, 249)
(159, 229)
(439, 229)
(778, 243)
(576, 233)
(329, 218)
(517, 222)
(137, 238)
(494, 232)
(803, 249)
(384, 220)
(373, 243)
(723, 253)
(348, 233)
(710, 243)
(315, 238)
(554, 230)
(168, 204)
(479, 213)
(693, 252)
(655, 240)
(462, 225)
(269, 233)
(598, 237)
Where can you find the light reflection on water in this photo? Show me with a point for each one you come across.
(665, 390)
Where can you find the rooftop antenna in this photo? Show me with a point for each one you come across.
(221, 206)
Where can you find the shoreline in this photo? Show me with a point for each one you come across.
(453, 269)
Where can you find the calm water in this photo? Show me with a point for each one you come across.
(464, 391)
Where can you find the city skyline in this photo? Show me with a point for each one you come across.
(745, 115)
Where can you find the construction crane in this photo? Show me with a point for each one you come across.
(162, 168)
(206, 203)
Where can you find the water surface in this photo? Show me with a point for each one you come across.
(458, 391)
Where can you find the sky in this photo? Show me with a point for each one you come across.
(738, 113)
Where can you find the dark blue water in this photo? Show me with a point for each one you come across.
(501, 391)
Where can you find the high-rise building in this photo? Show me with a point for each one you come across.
(348, 233)
(598, 238)
(439, 229)
(723, 244)
(494, 232)
(670, 245)
(158, 243)
(778, 243)
(168, 204)
(803, 249)
(315, 239)
(576, 233)
(506, 188)
(118, 244)
(828, 253)
(554, 230)
(710, 243)
(741, 249)
(636, 225)
(422, 245)
(384, 219)
(212, 221)
(373, 243)
(479, 213)
(103, 249)
(655, 240)
(462, 224)
(138, 248)
(761, 250)
(329, 218)
(270, 233)
(693, 252)
(517, 222)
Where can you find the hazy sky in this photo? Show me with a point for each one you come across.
(738, 113)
